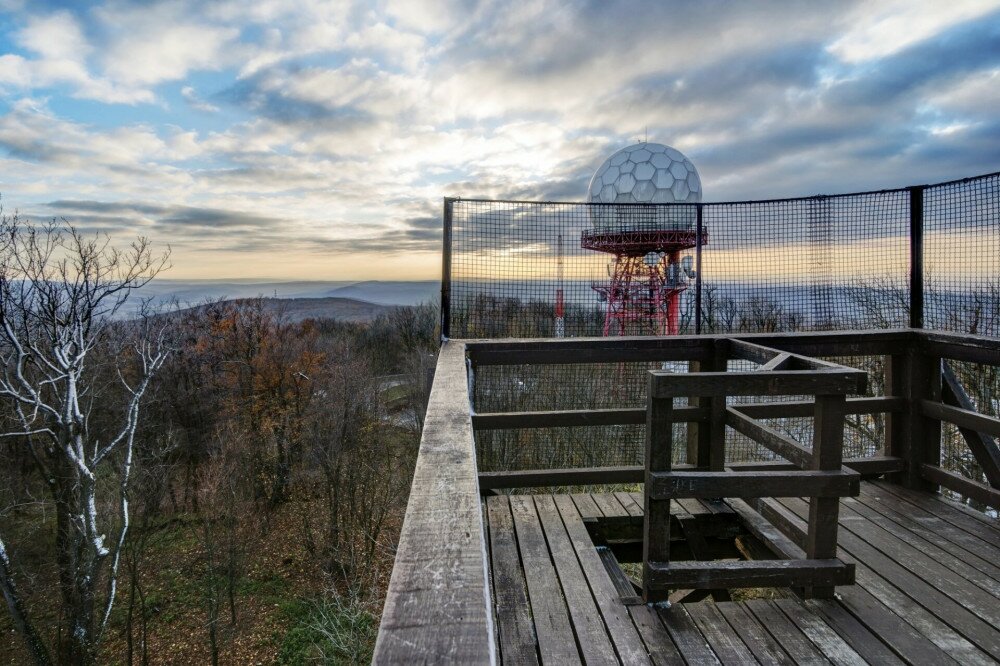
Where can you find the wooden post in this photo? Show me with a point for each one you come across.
(449, 204)
(699, 241)
(910, 435)
(706, 441)
(659, 448)
(917, 256)
(827, 454)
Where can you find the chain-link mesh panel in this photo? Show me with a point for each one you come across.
(806, 264)
(962, 256)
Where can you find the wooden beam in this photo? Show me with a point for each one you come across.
(772, 439)
(753, 573)
(677, 485)
(964, 418)
(806, 408)
(780, 382)
(872, 467)
(961, 485)
(576, 417)
(540, 478)
(775, 541)
(594, 476)
(982, 445)
(589, 350)
(438, 606)
(833, 343)
(960, 347)
(782, 361)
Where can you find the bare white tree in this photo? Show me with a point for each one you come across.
(59, 294)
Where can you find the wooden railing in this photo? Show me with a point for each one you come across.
(818, 472)
(438, 606)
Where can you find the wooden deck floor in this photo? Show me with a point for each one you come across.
(927, 592)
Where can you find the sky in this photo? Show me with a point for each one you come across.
(280, 140)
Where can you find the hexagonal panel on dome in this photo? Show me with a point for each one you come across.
(680, 190)
(655, 147)
(625, 182)
(611, 175)
(608, 194)
(641, 155)
(644, 171)
(664, 179)
(694, 182)
(675, 154)
(661, 161)
(624, 197)
(663, 196)
(618, 158)
(644, 190)
(677, 168)
(627, 167)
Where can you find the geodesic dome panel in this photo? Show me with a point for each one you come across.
(645, 173)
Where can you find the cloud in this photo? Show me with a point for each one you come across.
(322, 128)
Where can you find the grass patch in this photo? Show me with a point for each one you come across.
(330, 630)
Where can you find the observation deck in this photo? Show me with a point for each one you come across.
(809, 553)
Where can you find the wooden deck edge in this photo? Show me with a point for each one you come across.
(438, 607)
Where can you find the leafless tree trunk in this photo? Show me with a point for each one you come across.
(59, 292)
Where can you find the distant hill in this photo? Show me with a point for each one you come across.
(341, 309)
(193, 292)
(390, 293)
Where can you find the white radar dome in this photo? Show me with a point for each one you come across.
(645, 173)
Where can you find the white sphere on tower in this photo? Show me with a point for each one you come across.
(644, 173)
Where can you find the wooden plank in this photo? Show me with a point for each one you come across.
(726, 574)
(588, 625)
(609, 505)
(805, 408)
(627, 642)
(961, 485)
(964, 418)
(779, 382)
(556, 642)
(574, 418)
(859, 637)
(955, 564)
(790, 637)
(983, 447)
(823, 637)
(785, 447)
(438, 605)
(934, 529)
(926, 593)
(579, 476)
(975, 522)
(719, 635)
(513, 614)
(661, 649)
(586, 506)
(631, 506)
(686, 636)
(908, 627)
(827, 483)
(753, 635)
(921, 562)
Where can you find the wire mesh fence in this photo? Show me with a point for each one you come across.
(872, 260)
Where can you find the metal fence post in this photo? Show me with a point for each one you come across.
(916, 256)
(446, 270)
(699, 228)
